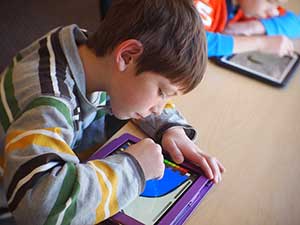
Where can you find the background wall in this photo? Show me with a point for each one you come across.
(23, 21)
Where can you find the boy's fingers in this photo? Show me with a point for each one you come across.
(215, 169)
(199, 158)
(205, 167)
(211, 167)
(175, 153)
(222, 168)
(161, 176)
(201, 161)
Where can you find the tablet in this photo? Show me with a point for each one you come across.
(169, 200)
(269, 68)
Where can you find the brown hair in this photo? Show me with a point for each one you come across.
(171, 32)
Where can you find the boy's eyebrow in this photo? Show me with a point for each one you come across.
(170, 90)
(174, 93)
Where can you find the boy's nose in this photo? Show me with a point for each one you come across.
(157, 109)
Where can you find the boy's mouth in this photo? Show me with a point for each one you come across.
(138, 116)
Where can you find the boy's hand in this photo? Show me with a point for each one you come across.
(280, 45)
(150, 157)
(247, 28)
(179, 146)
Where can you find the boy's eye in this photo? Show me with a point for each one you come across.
(161, 93)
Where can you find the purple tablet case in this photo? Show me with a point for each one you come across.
(183, 207)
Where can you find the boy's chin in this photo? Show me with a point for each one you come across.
(121, 117)
(126, 115)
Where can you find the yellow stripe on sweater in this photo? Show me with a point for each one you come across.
(50, 138)
(108, 182)
(16, 133)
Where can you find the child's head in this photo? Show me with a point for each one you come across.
(170, 32)
(260, 8)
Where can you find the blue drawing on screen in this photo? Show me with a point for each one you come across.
(171, 180)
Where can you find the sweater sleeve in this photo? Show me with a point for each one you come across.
(219, 44)
(287, 24)
(44, 180)
(155, 126)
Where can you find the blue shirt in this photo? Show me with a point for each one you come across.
(222, 44)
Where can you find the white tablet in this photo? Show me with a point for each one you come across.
(270, 68)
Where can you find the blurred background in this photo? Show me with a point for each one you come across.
(23, 21)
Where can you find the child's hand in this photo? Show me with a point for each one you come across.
(247, 28)
(280, 45)
(149, 155)
(178, 145)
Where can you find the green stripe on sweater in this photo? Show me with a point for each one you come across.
(69, 190)
(10, 93)
(48, 101)
(102, 100)
(71, 211)
(3, 118)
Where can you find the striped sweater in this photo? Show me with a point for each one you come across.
(46, 121)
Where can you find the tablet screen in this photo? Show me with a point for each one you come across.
(267, 66)
(160, 195)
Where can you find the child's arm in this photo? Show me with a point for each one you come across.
(279, 45)
(156, 125)
(219, 44)
(176, 136)
(46, 183)
(247, 28)
(223, 44)
(287, 24)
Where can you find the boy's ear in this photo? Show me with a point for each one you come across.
(127, 53)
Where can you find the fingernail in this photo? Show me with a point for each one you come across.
(178, 158)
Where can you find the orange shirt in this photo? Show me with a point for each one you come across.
(214, 14)
(240, 16)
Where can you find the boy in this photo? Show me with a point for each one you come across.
(53, 102)
(250, 25)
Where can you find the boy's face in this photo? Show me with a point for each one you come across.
(138, 96)
(259, 8)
